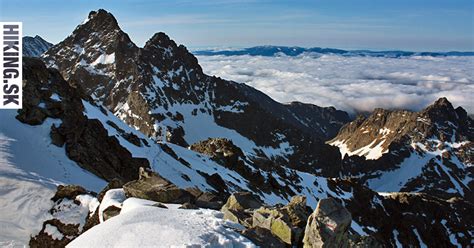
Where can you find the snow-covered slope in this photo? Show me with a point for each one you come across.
(30, 169)
(35, 46)
(140, 224)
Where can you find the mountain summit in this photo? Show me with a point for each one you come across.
(161, 90)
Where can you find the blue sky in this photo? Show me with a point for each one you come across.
(429, 25)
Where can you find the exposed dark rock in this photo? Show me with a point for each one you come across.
(86, 141)
(286, 222)
(31, 116)
(110, 212)
(206, 199)
(221, 150)
(57, 232)
(68, 192)
(263, 237)
(152, 186)
(403, 213)
(44, 239)
(57, 138)
(216, 181)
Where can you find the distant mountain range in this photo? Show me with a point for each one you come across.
(35, 46)
(296, 51)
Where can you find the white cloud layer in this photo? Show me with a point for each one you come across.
(353, 83)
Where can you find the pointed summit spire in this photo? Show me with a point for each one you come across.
(99, 21)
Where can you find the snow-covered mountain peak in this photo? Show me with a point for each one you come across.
(160, 89)
(427, 151)
(101, 18)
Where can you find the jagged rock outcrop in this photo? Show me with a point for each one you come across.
(221, 150)
(152, 186)
(239, 207)
(428, 151)
(360, 217)
(409, 219)
(328, 225)
(35, 46)
(86, 141)
(263, 237)
(286, 223)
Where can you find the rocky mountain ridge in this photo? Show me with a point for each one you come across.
(160, 89)
(429, 151)
(298, 51)
(35, 46)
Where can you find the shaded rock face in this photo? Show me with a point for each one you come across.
(263, 237)
(35, 46)
(110, 212)
(328, 225)
(221, 150)
(436, 141)
(47, 95)
(406, 218)
(68, 192)
(239, 207)
(325, 121)
(242, 200)
(286, 223)
(160, 88)
(152, 186)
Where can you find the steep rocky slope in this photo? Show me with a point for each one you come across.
(430, 151)
(160, 89)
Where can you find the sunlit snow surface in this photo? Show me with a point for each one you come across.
(30, 169)
(140, 224)
(352, 83)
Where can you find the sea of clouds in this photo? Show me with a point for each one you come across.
(353, 84)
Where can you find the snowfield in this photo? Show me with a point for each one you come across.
(140, 224)
(30, 170)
